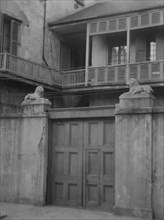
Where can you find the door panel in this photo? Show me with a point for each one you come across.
(66, 174)
(99, 163)
(92, 187)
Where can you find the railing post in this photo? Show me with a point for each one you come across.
(161, 70)
(4, 64)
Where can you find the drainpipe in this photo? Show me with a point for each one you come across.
(44, 32)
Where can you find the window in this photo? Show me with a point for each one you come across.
(146, 47)
(151, 48)
(9, 34)
(118, 55)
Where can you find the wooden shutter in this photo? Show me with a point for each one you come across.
(15, 37)
(1, 30)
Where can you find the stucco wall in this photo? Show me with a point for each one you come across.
(31, 14)
(158, 165)
(23, 145)
(12, 95)
(10, 148)
(139, 159)
(112, 98)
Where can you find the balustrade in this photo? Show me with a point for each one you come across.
(147, 71)
(30, 70)
(104, 75)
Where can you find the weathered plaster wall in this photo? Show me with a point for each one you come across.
(31, 14)
(112, 97)
(139, 159)
(12, 95)
(104, 98)
(133, 164)
(158, 165)
(23, 144)
(10, 149)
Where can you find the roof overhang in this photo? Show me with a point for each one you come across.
(104, 10)
(69, 28)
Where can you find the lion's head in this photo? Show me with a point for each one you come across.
(39, 91)
(132, 82)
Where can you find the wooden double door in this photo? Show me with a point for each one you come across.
(81, 163)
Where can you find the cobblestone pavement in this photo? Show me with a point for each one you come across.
(29, 212)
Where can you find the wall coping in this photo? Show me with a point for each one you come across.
(19, 115)
(81, 112)
(143, 110)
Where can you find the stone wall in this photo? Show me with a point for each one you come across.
(139, 157)
(158, 163)
(23, 146)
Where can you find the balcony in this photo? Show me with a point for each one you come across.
(28, 71)
(74, 77)
(111, 75)
(148, 71)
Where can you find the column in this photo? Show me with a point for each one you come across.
(133, 153)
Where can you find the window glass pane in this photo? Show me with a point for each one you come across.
(152, 51)
(117, 52)
(119, 55)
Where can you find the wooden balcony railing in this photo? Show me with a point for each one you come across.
(29, 70)
(107, 74)
(73, 77)
(104, 75)
(147, 71)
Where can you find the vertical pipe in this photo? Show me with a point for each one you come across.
(44, 31)
(87, 56)
(128, 48)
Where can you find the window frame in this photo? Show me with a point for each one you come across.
(13, 21)
(119, 58)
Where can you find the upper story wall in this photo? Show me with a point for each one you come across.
(31, 16)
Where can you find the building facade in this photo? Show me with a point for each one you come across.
(103, 46)
(87, 151)
(26, 46)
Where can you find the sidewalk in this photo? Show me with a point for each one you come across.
(29, 212)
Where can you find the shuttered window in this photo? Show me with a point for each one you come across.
(9, 34)
(15, 37)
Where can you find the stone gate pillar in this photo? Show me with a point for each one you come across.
(34, 149)
(133, 152)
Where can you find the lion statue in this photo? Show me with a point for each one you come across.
(39, 91)
(135, 88)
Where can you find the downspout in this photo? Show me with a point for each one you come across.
(44, 32)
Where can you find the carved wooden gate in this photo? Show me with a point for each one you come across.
(81, 157)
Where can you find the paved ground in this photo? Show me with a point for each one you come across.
(29, 212)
